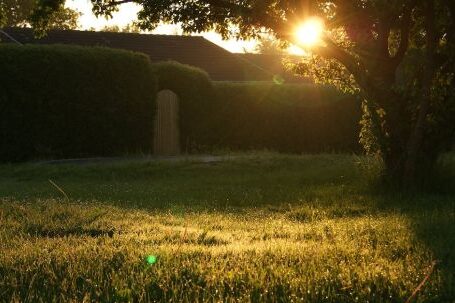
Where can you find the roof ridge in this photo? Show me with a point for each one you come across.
(104, 32)
(198, 51)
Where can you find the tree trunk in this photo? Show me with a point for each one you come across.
(393, 135)
(407, 171)
(414, 153)
(415, 156)
(394, 155)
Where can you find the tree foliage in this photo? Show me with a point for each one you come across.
(21, 13)
(397, 55)
(269, 46)
(129, 28)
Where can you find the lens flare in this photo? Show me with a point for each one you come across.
(151, 259)
(309, 33)
(278, 79)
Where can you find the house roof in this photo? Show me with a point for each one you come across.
(275, 65)
(220, 64)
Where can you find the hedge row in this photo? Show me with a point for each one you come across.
(287, 118)
(66, 101)
(258, 115)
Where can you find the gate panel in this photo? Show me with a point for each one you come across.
(166, 128)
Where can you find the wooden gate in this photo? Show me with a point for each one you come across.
(166, 128)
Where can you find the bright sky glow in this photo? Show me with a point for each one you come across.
(297, 51)
(309, 33)
(128, 13)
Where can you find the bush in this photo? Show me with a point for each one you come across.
(195, 91)
(67, 101)
(288, 118)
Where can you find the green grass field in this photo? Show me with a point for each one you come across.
(253, 228)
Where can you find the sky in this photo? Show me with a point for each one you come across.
(128, 14)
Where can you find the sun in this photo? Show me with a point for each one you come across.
(309, 32)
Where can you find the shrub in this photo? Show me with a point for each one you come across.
(194, 88)
(67, 101)
(287, 118)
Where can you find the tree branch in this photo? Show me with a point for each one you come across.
(416, 137)
(224, 4)
(383, 40)
(119, 2)
(451, 33)
(333, 51)
(217, 3)
(405, 30)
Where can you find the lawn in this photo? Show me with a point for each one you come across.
(256, 227)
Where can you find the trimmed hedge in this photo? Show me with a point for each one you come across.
(67, 101)
(287, 118)
(196, 103)
(258, 115)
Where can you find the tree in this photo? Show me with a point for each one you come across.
(398, 55)
(15, 12)
(129, 28)
(19, 13)
(269, 46)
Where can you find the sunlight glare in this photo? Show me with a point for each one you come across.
(296, 51)
(309, 33)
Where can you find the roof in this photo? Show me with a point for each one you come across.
(220, 64)
(275, 65)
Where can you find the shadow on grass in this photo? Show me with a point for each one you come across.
(431, 212)
(437, 230)
(432, 221)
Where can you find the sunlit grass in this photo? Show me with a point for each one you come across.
(258, 228)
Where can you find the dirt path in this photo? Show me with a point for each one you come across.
(100, 160)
